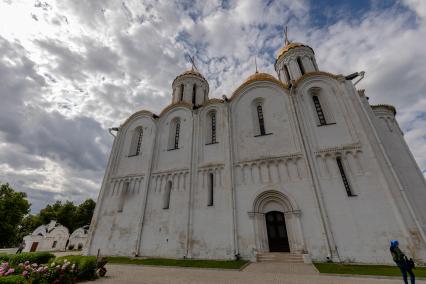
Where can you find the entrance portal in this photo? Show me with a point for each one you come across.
(34, 246)
(277, 232)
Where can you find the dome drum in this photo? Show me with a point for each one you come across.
(294, 60)
(190, 87)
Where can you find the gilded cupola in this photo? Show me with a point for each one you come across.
(294, 60)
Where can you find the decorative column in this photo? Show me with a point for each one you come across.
(294, 231)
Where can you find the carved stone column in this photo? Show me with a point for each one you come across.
(259, 229)
(294, 231)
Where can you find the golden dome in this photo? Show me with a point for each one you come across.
(259, 77)
(190, 72)
(290, 46)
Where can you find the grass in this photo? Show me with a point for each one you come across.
(223, 264)
(381, 270)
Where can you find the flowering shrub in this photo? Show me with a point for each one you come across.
(86, 265)
(37, 257)
(61, 272)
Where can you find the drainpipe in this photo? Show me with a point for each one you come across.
(331, 245)
(145, 199)
(231, 164)
(191, 182)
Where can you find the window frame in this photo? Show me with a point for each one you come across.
(194, 94)
(174, 134)
(344, 177)
(259, 118)
(136, 142)
(211, 128)
(167, 194)
(319, 110)
(210, 190)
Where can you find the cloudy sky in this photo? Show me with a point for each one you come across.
(71, 69)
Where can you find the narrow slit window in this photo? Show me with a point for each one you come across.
(344, 178)
(177, 133)
(287, 74)
(211, 188)
(136, 142)
(194, 91)
(261, 119)
(182, 87)
(139, 142)
(213, 123)
(299, 62)
(320, 112)
(166, 197)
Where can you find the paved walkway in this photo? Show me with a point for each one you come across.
(254, 273)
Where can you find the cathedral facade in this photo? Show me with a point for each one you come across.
(300, 163)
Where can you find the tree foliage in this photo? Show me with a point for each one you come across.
(68, 214)
(13, 207)
(16, 223)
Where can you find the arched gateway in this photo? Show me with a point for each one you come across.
(276, 221)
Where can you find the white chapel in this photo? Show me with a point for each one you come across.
(299, 163)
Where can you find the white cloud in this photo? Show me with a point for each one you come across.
(88, 65)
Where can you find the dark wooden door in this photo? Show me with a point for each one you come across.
(277, 232)
(34, 246)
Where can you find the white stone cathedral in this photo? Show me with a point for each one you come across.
(301, 163)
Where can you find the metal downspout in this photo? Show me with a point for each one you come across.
(148, 184)
(231, 158)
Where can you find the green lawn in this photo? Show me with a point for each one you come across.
(224, 264)
(383, 270)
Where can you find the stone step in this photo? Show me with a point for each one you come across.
(279, 257)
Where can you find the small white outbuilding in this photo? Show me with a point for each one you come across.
(50, 237)
(78, 238)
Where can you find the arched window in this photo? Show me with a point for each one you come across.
(174, 134)
(211, 125)
(299, 62)
(194, 91)
(177, 133)
(136, 143)
(260, 118)
(210, 190)
(344, 178)
(287, 74)
(166, 196)
(182, 87)
(319, 110)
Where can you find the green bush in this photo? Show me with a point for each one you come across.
(12, 279)
(85, 264)
(33, 257)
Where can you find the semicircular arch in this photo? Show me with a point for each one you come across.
(271, 199)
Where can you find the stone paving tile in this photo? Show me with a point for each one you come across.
(254, 274)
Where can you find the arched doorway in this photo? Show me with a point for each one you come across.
(276, 213)
(277, 232)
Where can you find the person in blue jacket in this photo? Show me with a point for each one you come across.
(401, 260)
